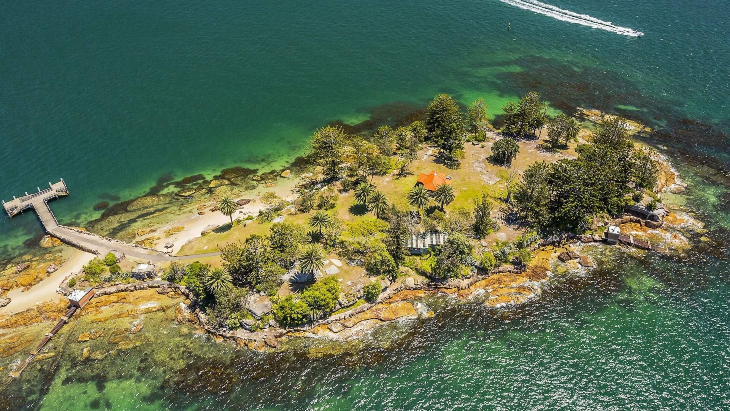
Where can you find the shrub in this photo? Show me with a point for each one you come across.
(290, 311)
(652, 205)
(322, 296)
(174, 273)
(110, 259)
(72, 282)
(488, 261)
(637, 197)
(115, 269)
(454, 257)
(372, 291)
(94, 269)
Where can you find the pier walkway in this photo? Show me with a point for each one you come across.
(77, 238)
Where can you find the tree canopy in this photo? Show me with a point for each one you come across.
(445, 125)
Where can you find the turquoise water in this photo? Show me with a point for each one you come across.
(113, 96)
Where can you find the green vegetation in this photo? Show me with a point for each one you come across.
(315, 301)
(445, 125)
(380, 263)
(110, 259)
(454, 258)
(561, 130)
(418, 197)
(477, 121)
(227, 207)
(72, 282)
(94, 269)
(504, 151)
(488, 261)
(312, 259)
(483, 222)
(444, 195)
(567, 194)
(372, 291)
(524, 119)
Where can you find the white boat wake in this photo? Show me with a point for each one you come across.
(572, 17)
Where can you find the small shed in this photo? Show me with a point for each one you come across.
(144, 271)
(433, 180)
(421, 243)
(612, 234)
(79, 298)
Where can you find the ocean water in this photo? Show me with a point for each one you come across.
(113, 96)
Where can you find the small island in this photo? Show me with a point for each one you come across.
(369, 223)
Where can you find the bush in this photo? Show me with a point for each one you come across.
(322, 296)
(110, 260)
(290, 312)
(637, 197)
(521, 257)
(652, 205)
(488, 261)
(94, 269)
(72, 282)
(174, 273)
(372, 291)
(115, 269)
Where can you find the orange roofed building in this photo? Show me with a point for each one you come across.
(433, 180)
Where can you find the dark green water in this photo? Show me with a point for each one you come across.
(113, 96)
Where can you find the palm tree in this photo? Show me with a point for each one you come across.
(418, 197)
(362, 192)
(379, 203)
(218, 280)
(320, 220)
(227, 207)
(444, 195)
(312, 259)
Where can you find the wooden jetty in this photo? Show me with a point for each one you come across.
(86, 241)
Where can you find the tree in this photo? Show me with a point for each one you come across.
(227, 207)
(322, 296)
(483, 222)
(526, 117)
(531, 200)
(445, 125)
(504, 151)
(312, 259)
(644, 170)
(454, 256)
(385, 138)
(328, 145)
(398, 234)
(418, 197)
(380, 262)
(379, 204)
(286, 239)
(371, 291)
(363, 192)
(218, 281)
(476, 117)
(613, 133)
(444, 195)
(252, 264)
(561, 130)
(320, 221)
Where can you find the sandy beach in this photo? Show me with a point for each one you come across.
(46, 289)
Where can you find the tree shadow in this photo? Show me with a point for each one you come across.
(358, 209)
(223, 229)
(297, 286)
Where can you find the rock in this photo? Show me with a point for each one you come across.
(286, 174)
(174, 230)
(409, 282)
(586, 238)
(103, 205)
(136, 327)
(585, 261)
(144, 232)
(148, 201)
(51, 269)
(49, 241)
(653, 224)
(336, 262)
(91, 335)
(335, 327)
(218, 183)
(258, 305)
(244, 201)
(271, 341)
(597, 238)
(332, 270)
(85, 352)
(4, 302)
(45, 356)
(568, 255)
(22, 267)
